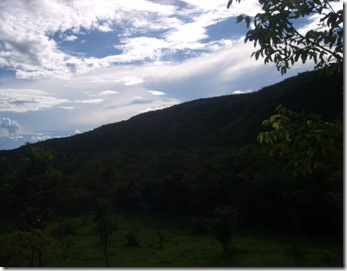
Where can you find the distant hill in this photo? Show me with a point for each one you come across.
(220, 121)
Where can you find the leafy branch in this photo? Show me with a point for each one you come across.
(280, 42)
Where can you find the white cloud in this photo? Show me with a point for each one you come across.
(40, 137)
(108, 92)
(188, 36)
(120, 109)
(156, 92)
(137, 97)
(24, 100)
(242, 91)
(140, 48)
(69, 38)
(26, 32)
(10, 126)
(130, 80)
(92, 101)
(314, 19)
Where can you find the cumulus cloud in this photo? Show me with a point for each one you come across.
(10, 126)
(29, 44)
(26, 31)
(69, 37)
(147, 30)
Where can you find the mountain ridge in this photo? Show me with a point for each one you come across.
(223, 120)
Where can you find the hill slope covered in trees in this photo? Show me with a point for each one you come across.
(195, 159)
(227, 120)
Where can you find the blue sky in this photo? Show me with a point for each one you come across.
(71, 66)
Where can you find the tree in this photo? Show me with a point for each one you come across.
(37, 187)
(307, 137)
(19, 243)
(105, 227)
(281, 42)
(225, 227)
(37, 161)
(61, 233)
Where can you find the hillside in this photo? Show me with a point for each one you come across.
(227, 120)
(198, 160)
(220, 122)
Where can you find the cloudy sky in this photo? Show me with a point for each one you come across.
(69, 66)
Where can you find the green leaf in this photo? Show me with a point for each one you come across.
(260, 138)
(248, 21)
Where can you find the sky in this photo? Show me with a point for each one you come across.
(70, 66)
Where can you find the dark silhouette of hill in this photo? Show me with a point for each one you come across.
(232, 120)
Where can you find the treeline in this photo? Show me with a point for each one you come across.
(262, 189)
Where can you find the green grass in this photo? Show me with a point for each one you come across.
(183, 249)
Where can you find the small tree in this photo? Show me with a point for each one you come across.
(225, 224)
(38, 241)
(38, 187)
(10, 246)
(21, 242)
(105, 227)
(62, 233)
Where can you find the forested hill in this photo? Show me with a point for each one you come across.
(227, 120)
(193, 158)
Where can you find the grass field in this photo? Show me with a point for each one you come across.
(181, 248)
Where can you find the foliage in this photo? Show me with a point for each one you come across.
(281, 42)
(38, 185)
(105, 227)
(62, 232)
(24, 242)
(225, 224)
(37, 161)
(304, 137)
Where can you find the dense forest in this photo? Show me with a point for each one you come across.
(165, 180)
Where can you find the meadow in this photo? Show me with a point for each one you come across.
(135, 242)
